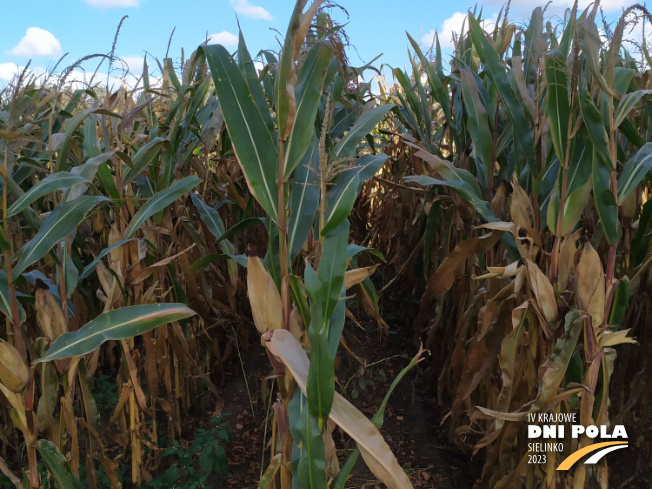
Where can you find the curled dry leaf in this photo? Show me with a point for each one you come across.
(543, 291)
(13, 371)
(453, 264)
(615, 338)
(527, 237)
(375, 452)
(49, 316)
(264, 297)
(353, 277)
(591, 284)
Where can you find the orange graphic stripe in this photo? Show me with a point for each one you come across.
(571, 459)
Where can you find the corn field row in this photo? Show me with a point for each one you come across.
(508, 197)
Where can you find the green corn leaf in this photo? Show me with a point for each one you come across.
(143, 157)
(557, 101)
(252, 140)
(605, 201)
(310, 471)
(437, 89)
(620, 302)
(88, 171)
(574, 206)
(635, 170)
(354, 249)
(332, 266)
(641, 241)
(58, 466)
(63, 220)
(210, 216)
(57, 181)
(304, 199)
(339, 202)
(628, 102)
(308, 95)
(118, 324)
(71, 127)
(88, 269)
(496, 71)
(482, 207)
(249, 71)
(160, 201)
(321, 374)
(5, 301)
(346, 148)
(478, 121)
(299, 295)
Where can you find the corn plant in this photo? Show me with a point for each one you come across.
(305, 170)
(534, 150)
(96, 243)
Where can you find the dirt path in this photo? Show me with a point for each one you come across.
(411, 426)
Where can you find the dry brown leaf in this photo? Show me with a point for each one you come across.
(543, 291)
(615, 338)
(453, 264)
(375, 452)
(591, 284)
(527, 237)
(353, 277)
(264, 297)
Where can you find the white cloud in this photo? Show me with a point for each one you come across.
(38, 42)
(225, 38)
(452, 26)
(113, 3)
(134, 63)
(245, 8)
(9, 70)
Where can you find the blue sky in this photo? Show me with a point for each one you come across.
(43, 30)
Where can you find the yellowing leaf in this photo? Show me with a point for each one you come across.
(527, 237)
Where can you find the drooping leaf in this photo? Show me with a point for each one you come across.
(635, 170)
(346, 148)
(66, 217)
(160, 201)
(51, 183)
(118, 324)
